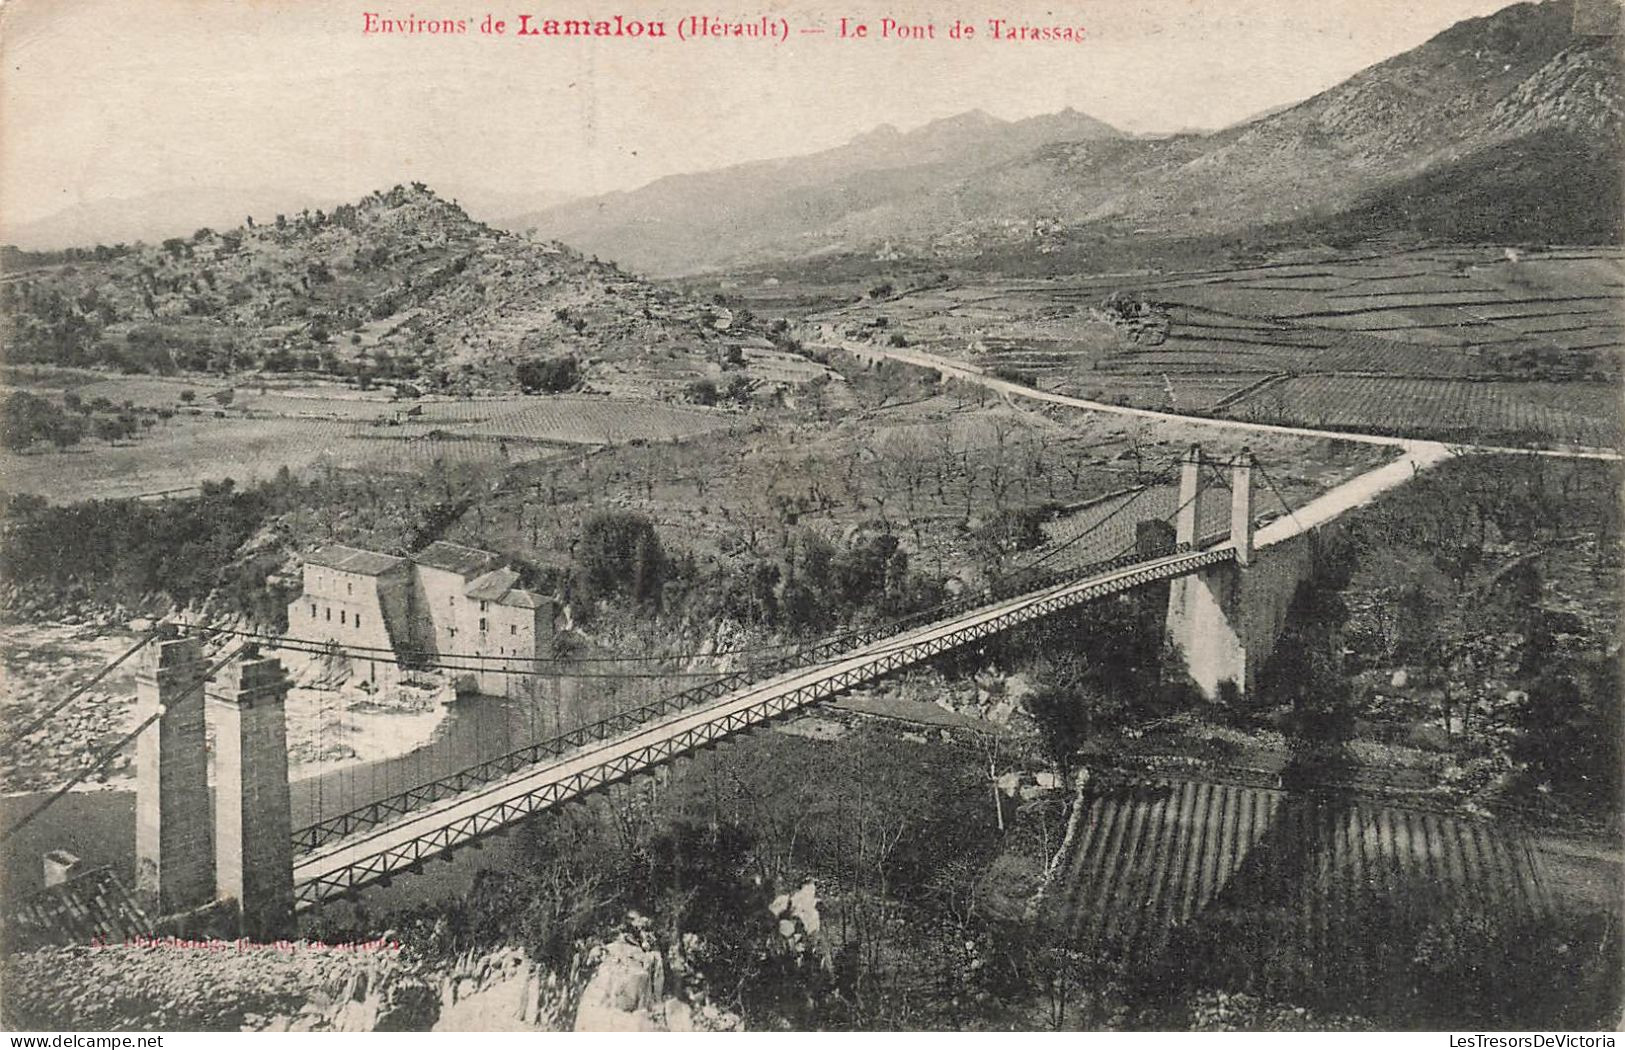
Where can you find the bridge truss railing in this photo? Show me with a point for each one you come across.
(342, 825)
(390, 807)
(346, 878)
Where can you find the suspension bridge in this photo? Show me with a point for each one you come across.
(1227, 603)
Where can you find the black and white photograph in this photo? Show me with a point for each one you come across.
(1004, 518)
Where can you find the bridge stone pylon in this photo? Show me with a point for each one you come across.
(1241, 506)
(1190, 496)
(173, 847)
(253, 834)
(1211, 618)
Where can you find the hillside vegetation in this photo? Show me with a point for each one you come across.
(400, 286)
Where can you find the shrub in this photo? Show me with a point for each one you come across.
(553, 375)
(620, 555)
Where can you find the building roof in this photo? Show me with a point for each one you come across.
(454, 557)
(498, 586)
(354, 559)
(493, 585)
(89, 905)
(524, 600)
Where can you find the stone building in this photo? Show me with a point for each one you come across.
(359, 599)
(445, 604)
(440, 610)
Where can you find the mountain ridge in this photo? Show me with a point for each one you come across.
(658, 226)
(1480, 86)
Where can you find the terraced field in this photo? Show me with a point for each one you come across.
(1482, 344)
(1496, 412)
(1285, 893)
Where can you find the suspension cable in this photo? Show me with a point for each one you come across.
(45, 716)
(1279, 495)
(107, 755)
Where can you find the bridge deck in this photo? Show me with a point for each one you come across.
(375, 855)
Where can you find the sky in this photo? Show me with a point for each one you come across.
(116, 99)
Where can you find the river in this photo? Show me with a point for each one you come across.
(99, 826)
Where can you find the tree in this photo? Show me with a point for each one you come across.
(619, 554)
(738, 390)
(27, 419)
(701, 392)
(548, 376)
(1011, 532)
(1063, 725)
(224, 397)
(109, 429)
(1569, 729)
(69, 431)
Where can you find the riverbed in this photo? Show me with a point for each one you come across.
(99, 826)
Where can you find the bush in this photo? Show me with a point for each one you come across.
(553, 375)
(701, 392)
(619, 555)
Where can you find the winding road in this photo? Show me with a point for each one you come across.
(949, 368)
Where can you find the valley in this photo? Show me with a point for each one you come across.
(1001, 573)
(1478, 345)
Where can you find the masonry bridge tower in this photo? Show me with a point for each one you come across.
(228, 852)
(221, 845)
(1226, 618)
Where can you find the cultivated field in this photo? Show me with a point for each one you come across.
(1512, 413)
(1289, 894)
(266, 428)
(1474, 344)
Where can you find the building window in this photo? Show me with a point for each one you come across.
(482, 606)
(329, 612)
(358, 619)
(341, 616)
(312, 610)
(482, 623)
(349, 587)
(513, 628)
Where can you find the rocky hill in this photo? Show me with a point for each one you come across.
(1424, 129)
(401, 286)
(1402, 146)
(687, 223)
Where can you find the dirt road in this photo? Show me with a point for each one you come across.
(958, 370)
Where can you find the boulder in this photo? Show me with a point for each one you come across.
(624, 992)
(679, 1016)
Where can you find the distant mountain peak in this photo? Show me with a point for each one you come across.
(681, 223)
(880, 132)
(971, 118)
